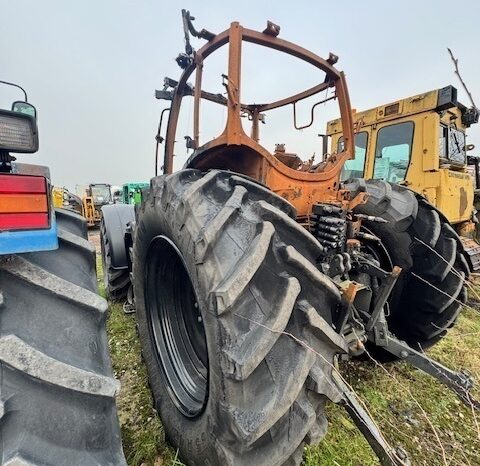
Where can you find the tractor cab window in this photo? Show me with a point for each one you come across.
(392, 153)
(354, 168)
(456, 146)
(452, 145)
(443, 142)
(101, 194)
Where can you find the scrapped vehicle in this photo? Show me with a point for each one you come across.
(132, 192)
(96, 195)
(63, 198)
(253, 272)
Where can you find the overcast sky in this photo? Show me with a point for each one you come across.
(91, 67)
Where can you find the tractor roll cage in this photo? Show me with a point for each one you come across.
(234, 36)
(249, 157)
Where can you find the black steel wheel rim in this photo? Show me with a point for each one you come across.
(176, 327)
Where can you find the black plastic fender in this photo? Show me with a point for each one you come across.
(116, 218)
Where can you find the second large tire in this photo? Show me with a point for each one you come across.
(431, 289)
(115, 279)
(235, 320)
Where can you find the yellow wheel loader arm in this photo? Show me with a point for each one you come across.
(88, 211)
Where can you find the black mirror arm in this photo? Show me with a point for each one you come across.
(17, 86)
(158, 138)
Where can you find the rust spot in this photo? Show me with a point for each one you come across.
(297, 193)
(463, 201)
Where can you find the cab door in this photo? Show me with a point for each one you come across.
(391, 153)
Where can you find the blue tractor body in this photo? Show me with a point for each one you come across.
(16, 242)
(27, 215)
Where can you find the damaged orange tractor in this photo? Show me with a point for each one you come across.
(253, 273)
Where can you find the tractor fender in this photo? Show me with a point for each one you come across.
(116, 218)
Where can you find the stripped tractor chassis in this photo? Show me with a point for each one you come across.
(306, 188)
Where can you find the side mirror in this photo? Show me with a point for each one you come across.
(24, 107)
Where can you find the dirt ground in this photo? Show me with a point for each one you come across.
(94, 237)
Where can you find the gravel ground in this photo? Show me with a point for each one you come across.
(94, 238)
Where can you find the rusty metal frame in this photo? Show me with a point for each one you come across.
(302, 188)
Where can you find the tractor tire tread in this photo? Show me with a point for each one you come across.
(246, 251)
(57, 390)
(116, 280)
(432, 285)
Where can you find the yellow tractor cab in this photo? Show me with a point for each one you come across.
(418, 142)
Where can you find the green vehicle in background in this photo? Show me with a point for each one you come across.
(132, 192)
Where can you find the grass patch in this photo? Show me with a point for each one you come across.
(142, 432)
(411, 408)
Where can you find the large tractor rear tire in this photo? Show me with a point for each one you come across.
(235, 320)
(57, 391)
(430, 291)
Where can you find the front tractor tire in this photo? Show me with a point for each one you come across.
(428, 296)
(222, 274)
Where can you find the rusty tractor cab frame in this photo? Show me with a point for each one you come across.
(317, 184)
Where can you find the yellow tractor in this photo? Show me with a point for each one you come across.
(64, 199)
(419, 142)
(95, 197)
